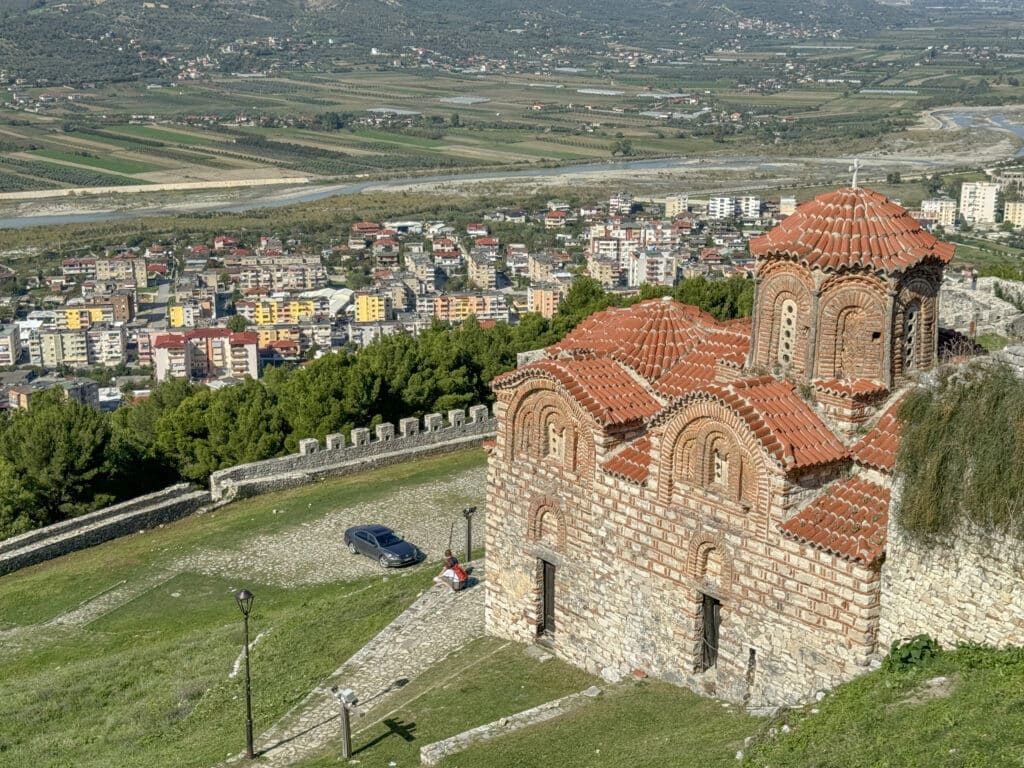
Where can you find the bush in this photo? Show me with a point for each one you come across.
(911, 653)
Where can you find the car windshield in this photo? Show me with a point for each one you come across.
(387, 539)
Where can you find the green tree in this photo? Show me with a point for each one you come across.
(58, 451)
(237, 323)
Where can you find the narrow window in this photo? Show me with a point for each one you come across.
(910, 332)
(556, 441)
(787, 331)
(719, 468)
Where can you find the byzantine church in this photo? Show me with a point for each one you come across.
(707, 502)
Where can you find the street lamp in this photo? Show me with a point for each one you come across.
(346, 700)
(244, 599)
(468, 513)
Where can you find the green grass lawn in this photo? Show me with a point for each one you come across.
(147, 683)
(113, 164)
(892, 719)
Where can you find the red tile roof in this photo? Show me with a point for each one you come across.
(169, 341)
(631, 463)
(849, 519)
(857, 388)
(602, 386)
(701, 365)
(852, 227)
(784, 424)
(878, 447)
(649, 337)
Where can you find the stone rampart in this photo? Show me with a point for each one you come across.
(379, 447)
(100, 526)
(962, 588)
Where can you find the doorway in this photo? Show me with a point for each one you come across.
(711, 619)
(546, 628)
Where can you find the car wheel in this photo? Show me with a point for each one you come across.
(383, 562)
(352, 548)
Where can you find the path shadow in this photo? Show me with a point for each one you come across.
(394, 728)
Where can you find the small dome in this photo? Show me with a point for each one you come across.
(852, 227)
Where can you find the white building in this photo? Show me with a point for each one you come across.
(749, 207)
(10, 345)
(941, 211)
(721, 207)
(978, 201)
(620, 202)
(787, 205)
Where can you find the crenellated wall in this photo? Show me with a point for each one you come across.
(437, 434)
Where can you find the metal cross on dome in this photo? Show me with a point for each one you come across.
(854, 169)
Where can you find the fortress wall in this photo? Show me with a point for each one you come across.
(962, 588)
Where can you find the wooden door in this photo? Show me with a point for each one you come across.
(711, 609)
(547, 600)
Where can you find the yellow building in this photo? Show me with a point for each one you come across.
(275, 311)
(373, 308)
(78, 318)
(1014, 213)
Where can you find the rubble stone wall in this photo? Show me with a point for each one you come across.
(963, 588)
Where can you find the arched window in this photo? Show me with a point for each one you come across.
(787, 331)
(719, 468)
(911, 331)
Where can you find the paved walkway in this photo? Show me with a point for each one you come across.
(404, 649)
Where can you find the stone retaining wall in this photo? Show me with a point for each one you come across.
(964, 588)
(314, 461)
(103, 525)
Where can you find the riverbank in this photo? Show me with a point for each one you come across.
(944, 139)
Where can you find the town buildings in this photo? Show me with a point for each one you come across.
(707, 502)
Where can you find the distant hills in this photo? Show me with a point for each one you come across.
(51, 42)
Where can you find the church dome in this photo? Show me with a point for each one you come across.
(849, 228)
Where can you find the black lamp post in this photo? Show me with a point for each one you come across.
(468, 513)
(244, 599)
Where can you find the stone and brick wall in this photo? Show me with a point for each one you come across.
(962, 588)
(631, 570)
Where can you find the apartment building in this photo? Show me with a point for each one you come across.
(545, 299)
(482, 271)
(1014, 213)
(374, 307)
(978, 200)
(940, 210)
(123, 269)
(456, 307)
(676, 205)
(10, 344)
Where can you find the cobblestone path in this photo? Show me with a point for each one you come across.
(404, 649)
(313, 553)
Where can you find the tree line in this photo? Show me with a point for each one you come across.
(61, 459)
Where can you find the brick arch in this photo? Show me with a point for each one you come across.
(852, 329)
(535, 405)
(544, 510)
(685, 441)
(782, 282)
(709, 562)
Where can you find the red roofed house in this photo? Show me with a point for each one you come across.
(688, 497)
(206, 353)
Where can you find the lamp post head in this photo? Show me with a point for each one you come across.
(345, 696)
(468, 512)
(244, 599)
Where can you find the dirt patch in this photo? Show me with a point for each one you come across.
(940, 687)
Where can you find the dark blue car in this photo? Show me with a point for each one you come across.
(382, 544)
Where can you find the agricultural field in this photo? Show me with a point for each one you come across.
(376, 120)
